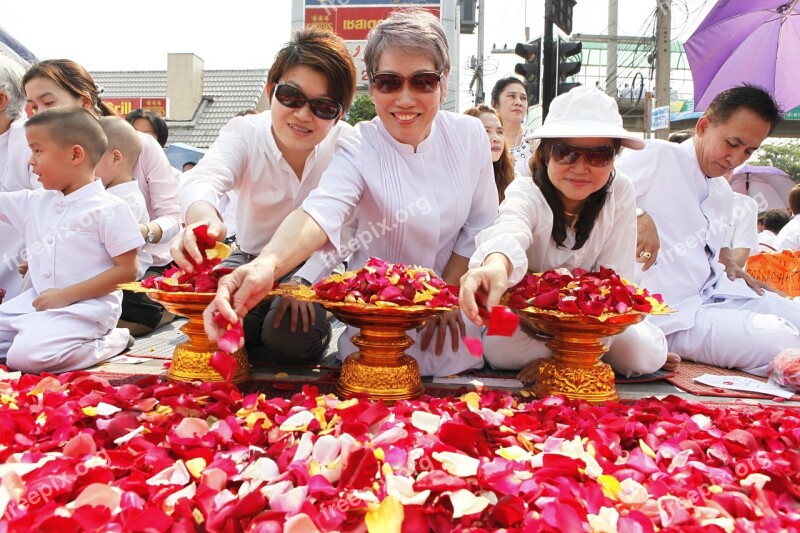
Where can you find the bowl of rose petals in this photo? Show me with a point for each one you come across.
(383, 300)
(188, 294)
(577, 309)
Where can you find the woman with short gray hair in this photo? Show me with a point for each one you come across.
(412, 186)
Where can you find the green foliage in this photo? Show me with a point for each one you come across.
(362, 109)
(785, 156)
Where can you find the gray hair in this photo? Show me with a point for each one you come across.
(11, 74)
(414, 31)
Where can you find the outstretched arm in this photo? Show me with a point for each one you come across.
(241, 290)
(123, 271)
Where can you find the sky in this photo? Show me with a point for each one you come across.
(138, 35)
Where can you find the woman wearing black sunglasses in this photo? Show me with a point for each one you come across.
(414, 185)
(576, 212)
(274, 160)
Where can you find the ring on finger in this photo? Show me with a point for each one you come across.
(645, 254)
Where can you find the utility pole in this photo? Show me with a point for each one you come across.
(663, 57)
(611, 64)
(549, 62)
(479, 95)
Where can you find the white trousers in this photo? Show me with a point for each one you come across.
(740, 333)
(447, 364)
(640, 349)
(57, 341)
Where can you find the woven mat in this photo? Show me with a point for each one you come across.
(687, 371)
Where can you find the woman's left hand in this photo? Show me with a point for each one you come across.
(451, 320)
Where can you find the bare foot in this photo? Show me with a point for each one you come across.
(673, 360)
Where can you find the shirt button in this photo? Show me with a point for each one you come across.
(50, 240)
(59, 209)
(46, 275)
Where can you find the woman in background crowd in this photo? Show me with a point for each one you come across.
(502, 161)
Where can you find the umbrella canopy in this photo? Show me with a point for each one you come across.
(747, 41)
(768, 186)
(180, 153)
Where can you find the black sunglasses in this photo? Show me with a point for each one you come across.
(292, 97)
(421, 82)
(596, 156)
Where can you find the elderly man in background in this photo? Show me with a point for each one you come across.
(15, 173)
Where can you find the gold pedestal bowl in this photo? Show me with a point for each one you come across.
(380, 368)
(191, 359)
(575, 369)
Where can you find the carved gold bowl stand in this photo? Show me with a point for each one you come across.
(575, 370)
(380, 367)
(191, 359)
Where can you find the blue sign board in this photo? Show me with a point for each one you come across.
(659, 118)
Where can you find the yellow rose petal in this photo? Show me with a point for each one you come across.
(648, 451)
(89, 411)
(196, 466)
(610, 486)
(472, 399)
(387, 518)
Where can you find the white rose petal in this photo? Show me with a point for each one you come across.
(298, 421)
(427, 422)
(172, 475)
(106, 409)
(457, 464)
(466, 503)
(262, 469)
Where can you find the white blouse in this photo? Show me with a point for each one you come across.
(246, 159)
(523, 227)
(414, 207)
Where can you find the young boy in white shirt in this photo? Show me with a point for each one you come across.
(81, 243)
(115, 170)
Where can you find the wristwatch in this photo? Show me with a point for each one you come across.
(640, 211)
(151, 236)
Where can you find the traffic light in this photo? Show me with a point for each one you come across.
(565, 68)
(530, 70)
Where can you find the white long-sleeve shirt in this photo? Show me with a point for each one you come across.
(413, 207)
(159, 186)
(523, 227)
(245, 158)
(692, 214)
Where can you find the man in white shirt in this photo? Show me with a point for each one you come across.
(788, 238)
(773, 221)
(742, 235)
(720, 319)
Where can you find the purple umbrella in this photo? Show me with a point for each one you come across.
(768, 186)
(747, 41)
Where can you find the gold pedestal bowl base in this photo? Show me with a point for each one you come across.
(380, 368)
(575, 369)
(191, 359)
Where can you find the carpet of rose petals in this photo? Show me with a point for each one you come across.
(583, 292)
(79, 455)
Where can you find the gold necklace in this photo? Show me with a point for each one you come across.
(574, 217)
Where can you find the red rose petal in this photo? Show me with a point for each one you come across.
(502, 321)
(224, 364)
(474, 346)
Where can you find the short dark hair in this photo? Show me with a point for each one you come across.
(775, 219)
(501, 85)
(323, 52)
(71, 125)
(680, 136)
(159, 124)
(794, 199)
(751, 97)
